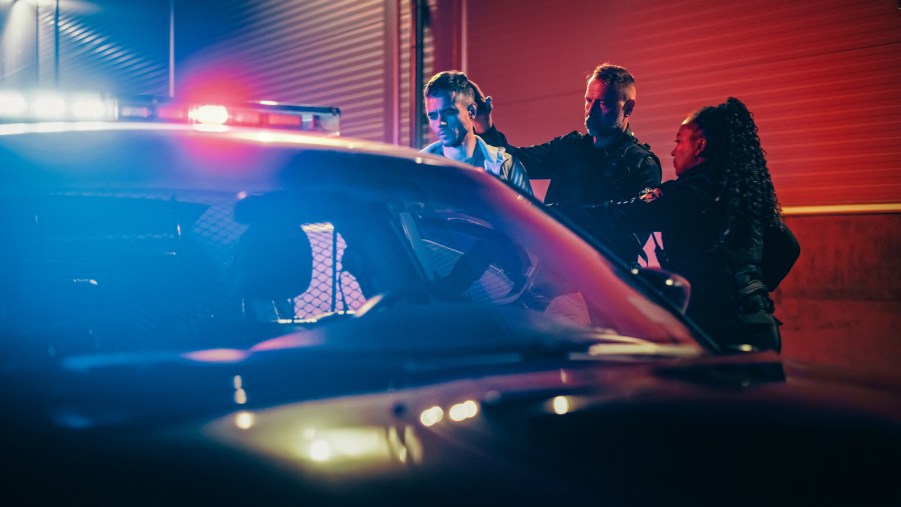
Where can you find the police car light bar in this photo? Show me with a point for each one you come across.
(17, 107)
(265, 114)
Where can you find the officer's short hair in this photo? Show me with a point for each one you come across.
(614, 75)
(451, 81)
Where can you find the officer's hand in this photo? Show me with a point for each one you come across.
(483, 121)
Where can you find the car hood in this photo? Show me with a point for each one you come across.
(342, 355)
(727, 433)
(301, 421)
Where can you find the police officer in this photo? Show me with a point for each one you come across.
(606, 163)
(713, 219)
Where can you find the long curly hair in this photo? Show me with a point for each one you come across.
(747, 197)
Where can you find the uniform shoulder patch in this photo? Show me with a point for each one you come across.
(650, 194)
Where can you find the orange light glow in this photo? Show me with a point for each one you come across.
(216, 355)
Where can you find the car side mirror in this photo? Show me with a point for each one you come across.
(674, 287)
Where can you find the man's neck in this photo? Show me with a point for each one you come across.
(463, 152)
(607, 141)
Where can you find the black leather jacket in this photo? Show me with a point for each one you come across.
(579, 172)
(728, 298)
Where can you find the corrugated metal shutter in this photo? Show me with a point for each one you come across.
(821, 77)
(117, 48)
(405, 106)
(354, 54)
(406, 109)
(318, 52)
(322, 52)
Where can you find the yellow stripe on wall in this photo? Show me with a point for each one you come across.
(842, 209)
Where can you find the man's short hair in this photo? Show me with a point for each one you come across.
(614, 75)
(451, 81)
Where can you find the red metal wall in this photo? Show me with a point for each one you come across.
(842, 302)
(823, 79)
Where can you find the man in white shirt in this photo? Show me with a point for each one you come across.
(451, 108)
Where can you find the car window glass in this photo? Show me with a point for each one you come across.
(106, 251)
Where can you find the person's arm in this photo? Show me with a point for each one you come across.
(655, 209)
(646, 174)
(494, 137)
(540, 161)
(780, 251)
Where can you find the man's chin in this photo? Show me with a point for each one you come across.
(595, 131)
(604, 132)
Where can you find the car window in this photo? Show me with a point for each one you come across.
(467, 257)
(114, 249)
(88, 272)
(502, 250)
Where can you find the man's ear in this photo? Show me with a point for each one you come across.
(472, 109)
(628, 107)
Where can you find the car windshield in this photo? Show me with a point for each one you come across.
(174, 239)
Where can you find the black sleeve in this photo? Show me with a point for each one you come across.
(663, 207)
(540, 160)
(494, 137)
(646, 174)
(780, 251)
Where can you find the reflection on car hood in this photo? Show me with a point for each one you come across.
(407, 346)
(718, 431)
(463, 328)
(320, 419)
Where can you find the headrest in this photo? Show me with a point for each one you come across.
(274, 261)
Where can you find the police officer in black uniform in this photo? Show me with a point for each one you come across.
(714, 219)
(607, 163)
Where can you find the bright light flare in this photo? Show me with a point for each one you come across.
(89, 108)
(49, 106)
(266, 137)
(463, 411)
(431, 416)
(209, 115)
(244, 420)
(561, 405)
(320, 450)
(12, 104)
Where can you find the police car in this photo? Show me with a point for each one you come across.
(207, 302)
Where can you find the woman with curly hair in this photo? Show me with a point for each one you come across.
(713, 219)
